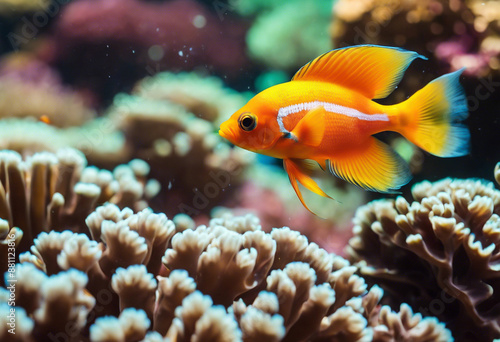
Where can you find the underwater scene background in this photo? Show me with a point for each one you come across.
(124, 216)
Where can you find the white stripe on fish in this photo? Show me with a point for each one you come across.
(329, 107)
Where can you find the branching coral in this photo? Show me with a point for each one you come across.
(48, 192)
(124, 248)
(439, 253)
(228, 281)
(303, 293)
(19, 320)
(131, 325)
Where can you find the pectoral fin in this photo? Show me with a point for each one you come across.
(299, 171)
(310, 130)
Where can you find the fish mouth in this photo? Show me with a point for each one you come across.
(226, 134)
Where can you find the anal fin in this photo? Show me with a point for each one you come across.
(299, 171)
(372, 166)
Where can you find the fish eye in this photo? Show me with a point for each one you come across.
(247, 121)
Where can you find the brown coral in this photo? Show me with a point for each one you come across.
(52, 192)
(128, 246)
(227, 281)
(306, 295)
(439, 253)
(39, 297)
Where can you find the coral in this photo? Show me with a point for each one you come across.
(180, 141)
(52, 192)
(449, 236)
(124, 247)
(98, 139)
(206, 97)
(29, 88)
(405, 326)
(27, 136)
(480, 54)
(278, 40)
(140, 38)
(17, 320)
(458, 33)
(178, 99)
(63, 293)
(228, 281)
(131, 325)
(171, 120)
(39, 296)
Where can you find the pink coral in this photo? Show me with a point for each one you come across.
(131, 38)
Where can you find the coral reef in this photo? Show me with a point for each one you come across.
(458, 33)
(438, 253)
(51, 192)
(228, 281)
(278, 40)
(88, 254)
(171, 120)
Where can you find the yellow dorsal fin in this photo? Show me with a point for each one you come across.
(299, 171)
(311, 128)
(373, 166)
(371, 70)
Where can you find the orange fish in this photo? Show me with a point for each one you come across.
(45, 119)
(326, 114)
